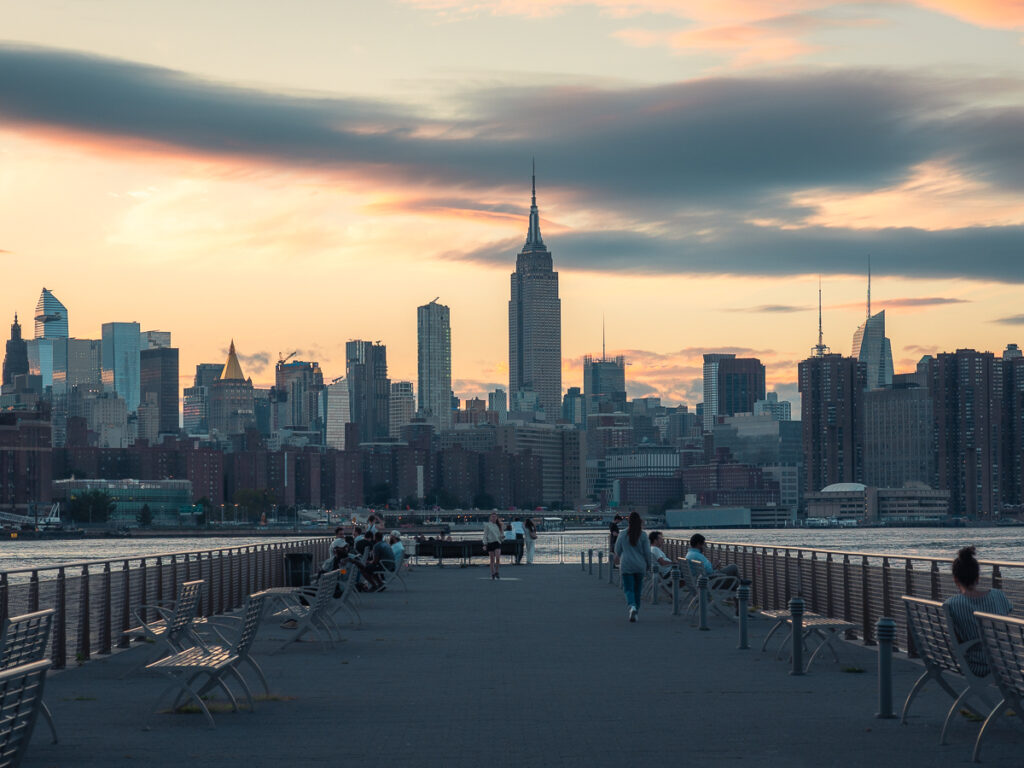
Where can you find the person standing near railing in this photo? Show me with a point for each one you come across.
(633, 554)
(493, 537)
(531, 539)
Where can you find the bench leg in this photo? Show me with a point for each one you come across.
(49, 720)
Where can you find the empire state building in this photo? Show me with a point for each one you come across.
(535, 326)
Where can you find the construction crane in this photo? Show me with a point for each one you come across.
(282, 359)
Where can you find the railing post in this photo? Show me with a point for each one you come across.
(702, 597)
(796, 613)
(830, 603)
(997, 577)
(865, 602)
(84, 650)
(886, 588)
(674, 575)
(33, 592)
(143, 590)
(847, 607)
(885, 631)
(4, 597)
(126, 605)
(159, 579)
(814, 582)
(106, 612)
(762, 583)
(934, 574)
(590, 562)
(775, 578)
(60, 624)
(786, 577)
(220, 591)
(742, 601)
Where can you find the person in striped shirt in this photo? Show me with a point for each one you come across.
(966, 573)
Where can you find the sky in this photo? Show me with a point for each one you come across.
(292, 176)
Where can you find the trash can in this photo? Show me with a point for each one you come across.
(298, 569)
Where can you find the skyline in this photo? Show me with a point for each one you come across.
(296, 191)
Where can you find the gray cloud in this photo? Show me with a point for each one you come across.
(255, 363)
(690, 160)
(1011, 320)
(993, 253)
(780, 308)
(909, 302)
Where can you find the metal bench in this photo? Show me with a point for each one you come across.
(721, 587)
(824, 628)
(314, 617)
(212, 663)
(931, 629)
(21, 698)
(23, 640)
(1003, 641)
(174, 630)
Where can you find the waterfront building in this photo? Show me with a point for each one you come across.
(731, 385)
(899, 435)
(402, 407)
(872, 347)
(51, 317)
(535, 324)
(366, 368)
(604, 384)
(158, 376)
(869, 504)
(16, 357)
(434, 363)
(120, 361)
(166, 499)
(231, 406)
(780, 410)
(966, 388)
(832, 419)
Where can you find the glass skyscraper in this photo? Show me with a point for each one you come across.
(51, 317)
(120, 366)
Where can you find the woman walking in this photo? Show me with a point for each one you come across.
(531, 539)
(633, 554)
(492, 543)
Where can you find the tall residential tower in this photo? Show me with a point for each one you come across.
(434, 355)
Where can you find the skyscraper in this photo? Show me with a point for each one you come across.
(195, 408)
(434, 356)
(604, 384)
(535, 324)
(338, 413)
(296, 395)
(158, 377)
(832, 420)
(51, 317)
(731, 385)
(402, 407)
(231, 404)
(366, 368)
(120, 365)
(16, 359)
(871, 347)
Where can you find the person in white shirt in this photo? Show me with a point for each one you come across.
(397, 546)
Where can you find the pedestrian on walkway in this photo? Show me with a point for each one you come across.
(633, 554)
(531, 539)
(493, 537)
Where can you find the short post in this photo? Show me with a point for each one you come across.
(702, 596)
(590, 568)
(742, 600)
(885, 633)
(674, 575)
(583, 560)
(796, 612)
(611, 568)
(600, 565)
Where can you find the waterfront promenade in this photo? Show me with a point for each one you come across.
(538, 669)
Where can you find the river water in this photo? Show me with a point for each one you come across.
(993, 544)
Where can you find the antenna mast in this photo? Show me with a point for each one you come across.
(869, 286)
(820, 350)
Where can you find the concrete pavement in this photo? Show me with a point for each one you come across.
(540, 668)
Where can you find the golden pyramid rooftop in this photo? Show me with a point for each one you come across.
(232, 370)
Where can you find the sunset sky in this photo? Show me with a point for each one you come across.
(294, 175)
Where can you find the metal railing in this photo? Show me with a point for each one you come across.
(859, 587)
(94, 599)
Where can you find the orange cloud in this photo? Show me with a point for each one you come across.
(747, 43)
(999, 14)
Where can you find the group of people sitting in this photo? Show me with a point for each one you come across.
(368, 550)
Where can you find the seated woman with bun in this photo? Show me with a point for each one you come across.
(966, 573)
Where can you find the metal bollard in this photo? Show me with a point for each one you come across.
(796, 612)
(590, 558)
(600, 565)
(885, 633)
(702, 595)
(583, 560)
(674, 575)
(742, 601)
(611, 568)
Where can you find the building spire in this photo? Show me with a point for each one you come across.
(820, 350)
(869, 286)
(533, 234)
(603, 356)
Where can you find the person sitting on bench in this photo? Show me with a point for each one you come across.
(696, 552)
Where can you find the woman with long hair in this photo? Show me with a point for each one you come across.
(531, 539)
(966, 573)
(492, 543)
(633, 554)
